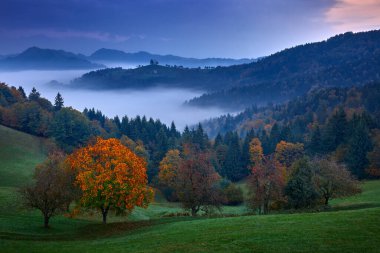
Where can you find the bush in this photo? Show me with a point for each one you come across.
(233, 195)
(301, 190)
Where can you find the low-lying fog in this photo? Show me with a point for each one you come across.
(163, 104)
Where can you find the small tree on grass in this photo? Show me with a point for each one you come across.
(193, 179)
(266, 181)
(168, 170)
(197, 183)
(52, 190)
(334, 180)
(110, 176)
(301, 190)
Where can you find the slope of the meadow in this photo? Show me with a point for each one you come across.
(352, 225)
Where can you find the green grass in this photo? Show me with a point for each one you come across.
(344, 231)
(19, 154)
(370, 197)
(354, 230)
(352, 224)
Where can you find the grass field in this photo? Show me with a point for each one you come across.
(19, 154)
(352, 225)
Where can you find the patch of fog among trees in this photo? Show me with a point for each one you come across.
(158, 103)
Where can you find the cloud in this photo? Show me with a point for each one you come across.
(68, 34)
(354, 15)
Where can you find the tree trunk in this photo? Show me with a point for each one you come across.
(266, 207)
(46, 221)
(104, 213)
(194, 211)
(326, 201)
(262, 208)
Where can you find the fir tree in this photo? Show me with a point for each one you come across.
(58, 102)
(22, 92)
(34, 95)
(359, 145)
(218, 140)
(316, 140)
(233, 169)
(335, 131)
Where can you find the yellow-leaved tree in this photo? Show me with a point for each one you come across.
(110, 176)
(169, 168)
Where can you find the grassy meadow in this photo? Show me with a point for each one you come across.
(351, 225)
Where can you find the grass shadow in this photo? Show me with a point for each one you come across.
(95, 231)
(353, 206)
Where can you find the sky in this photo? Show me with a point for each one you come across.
(191, 28)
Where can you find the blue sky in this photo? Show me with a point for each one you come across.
(197, 28)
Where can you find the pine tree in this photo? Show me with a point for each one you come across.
(22, 92)
(245, 149)
(286, 134)
(359, 145)
(233, 169)
(34, 95)
(200, 138)
(274, 138)
(218, 140)
(186, 136)
(316, 140)
(173, 131)
(335, 131)
(58, 102)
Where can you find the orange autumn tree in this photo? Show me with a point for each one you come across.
(286, 154)
(110, 176)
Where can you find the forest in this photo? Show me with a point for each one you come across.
(329, 137)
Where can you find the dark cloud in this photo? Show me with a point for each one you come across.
(226, 28)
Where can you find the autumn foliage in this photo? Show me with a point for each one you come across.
(192, 178)
(52, 190)
(286, 154)
(266, 181)
(169, 167)
(110, 176)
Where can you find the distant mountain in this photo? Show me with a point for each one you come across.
(35, 58)
(110, 55)
(153, 76)
(350, 59)
(344, 60)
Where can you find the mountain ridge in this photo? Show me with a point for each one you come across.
(36, 58)
(143, 57)
(349, 59)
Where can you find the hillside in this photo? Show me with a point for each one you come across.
(301, 113)
(35, 58)
(19, 154)
(350, 59)
(110, 55)
(341, 61)
(151, 76)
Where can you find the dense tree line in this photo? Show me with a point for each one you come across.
(198, 172)
(337, 121)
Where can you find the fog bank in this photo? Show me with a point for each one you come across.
(163, 104)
